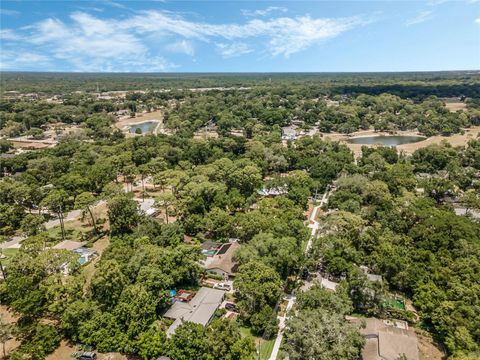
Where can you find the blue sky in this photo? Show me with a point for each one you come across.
(239, 36)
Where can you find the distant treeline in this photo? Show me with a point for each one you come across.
(416, 85)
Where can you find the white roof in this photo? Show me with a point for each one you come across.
(147, 206)
(199, 310)
(329, 285)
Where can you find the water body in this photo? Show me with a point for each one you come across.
(145, 127)
(393, 140)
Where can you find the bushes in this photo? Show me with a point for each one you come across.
(38, 343)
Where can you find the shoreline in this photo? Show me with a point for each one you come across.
(454, 140)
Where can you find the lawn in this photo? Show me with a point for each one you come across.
(9, 254)
(264, 347)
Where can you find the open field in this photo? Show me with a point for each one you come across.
(455, 106)
(30, 144)
(8, 253)
(454, 140)
(264, 347)
(139, 118)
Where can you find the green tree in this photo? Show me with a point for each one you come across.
(108, 283)
(316, 297)
(471, 200)
(122, 214)
(321, 335)
(32, 224)
(257, 285)
(284, 253)
(189, 342)
(225, 342)
(152, 344)
(55, 201)
(85, 201)
(167, 202)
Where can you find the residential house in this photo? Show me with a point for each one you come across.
(222, 262)
(147, 207)
(387, 339)
(199, 310)
(273, 191)
(289, 133)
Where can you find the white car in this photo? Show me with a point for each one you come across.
(222, 286)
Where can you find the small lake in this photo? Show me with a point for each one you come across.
(393, 140)
(145, 127)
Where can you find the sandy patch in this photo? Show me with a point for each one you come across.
(455, 106)
(10, 318)
(65, 350)
(139, 118)
(454, 140)
(27, 144)
(428, 349)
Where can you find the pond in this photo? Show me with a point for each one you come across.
(145, 127)
(393, 140)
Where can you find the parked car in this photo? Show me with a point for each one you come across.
(222, 286)
(231, 306)
(87, 355)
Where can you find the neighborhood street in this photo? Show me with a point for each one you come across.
(314, 225)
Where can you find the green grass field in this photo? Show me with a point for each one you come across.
(9, 254)
(264, 347)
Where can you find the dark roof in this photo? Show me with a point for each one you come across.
(224, 249)
(208, 245)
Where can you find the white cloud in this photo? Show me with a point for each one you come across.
(421, 17)
(9, 12)
(8, 34)
(11, 60)
(281, 36)
(477, 20)
(437, 2)
(264, 12)
(91, 43)
(233, 50)
(182, 47)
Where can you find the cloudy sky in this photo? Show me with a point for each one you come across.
(244, 36)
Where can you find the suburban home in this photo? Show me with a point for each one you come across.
(220, 261)
(86, 254)
(68, 245)
(147, 207)
(387, 339)
(274, 191)
(199, 310)
(328, 284)
(289, 133)
(370, 276)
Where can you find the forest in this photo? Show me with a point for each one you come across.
(388, 211)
